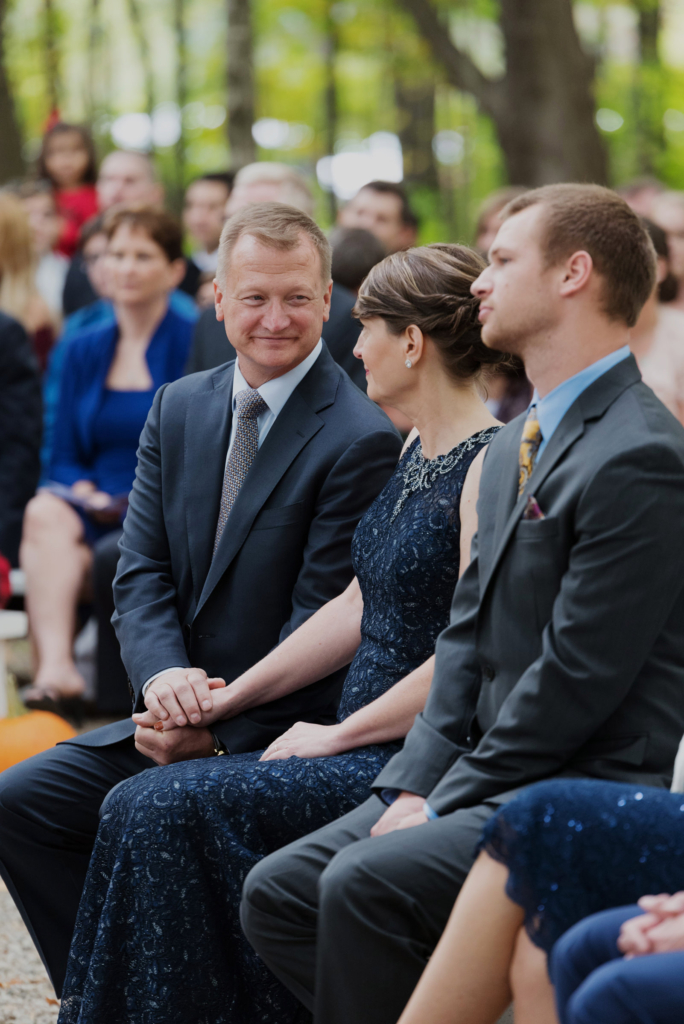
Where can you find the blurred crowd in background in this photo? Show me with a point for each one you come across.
(105, 296)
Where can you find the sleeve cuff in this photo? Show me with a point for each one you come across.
(174, 668)
(388, 796)
(429, 813)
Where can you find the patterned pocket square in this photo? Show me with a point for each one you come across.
(532, 510)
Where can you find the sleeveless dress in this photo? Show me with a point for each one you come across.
(575, 847)
(158, 937)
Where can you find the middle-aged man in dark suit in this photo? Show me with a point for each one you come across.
(251, 479)
(21, 427)
(565, 650)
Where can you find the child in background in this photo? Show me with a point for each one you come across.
(38, 200)
(67, 161)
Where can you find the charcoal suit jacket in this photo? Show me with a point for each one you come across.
(285, 550)
(565, 649)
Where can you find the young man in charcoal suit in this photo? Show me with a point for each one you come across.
(565, 650)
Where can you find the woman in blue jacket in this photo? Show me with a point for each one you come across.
(110, 376)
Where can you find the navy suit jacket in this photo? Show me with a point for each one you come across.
(285, 551)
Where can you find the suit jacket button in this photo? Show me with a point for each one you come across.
(487, 673)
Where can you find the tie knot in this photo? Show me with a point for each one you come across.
(249, 404)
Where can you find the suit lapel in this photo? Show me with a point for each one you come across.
(207, 429)
(591, 404)
(570, 428)
(293, 428)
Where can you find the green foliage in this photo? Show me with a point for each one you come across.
(376, 45)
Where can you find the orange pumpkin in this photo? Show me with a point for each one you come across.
(30, 734)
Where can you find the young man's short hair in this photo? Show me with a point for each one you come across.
(598, 221)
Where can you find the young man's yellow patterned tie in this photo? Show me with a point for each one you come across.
(529, 446)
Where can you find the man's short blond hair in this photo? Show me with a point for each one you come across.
(294, 189)
(276, 225)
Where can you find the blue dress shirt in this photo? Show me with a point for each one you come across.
(552, 407)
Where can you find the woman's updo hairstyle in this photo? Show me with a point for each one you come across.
(429, 287)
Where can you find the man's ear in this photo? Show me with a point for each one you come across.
(218, 299)
(577, 272)
(326, 299)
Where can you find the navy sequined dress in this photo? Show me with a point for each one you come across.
(158, 938)
(574, 847)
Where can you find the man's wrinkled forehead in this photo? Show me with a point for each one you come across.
(254, 258)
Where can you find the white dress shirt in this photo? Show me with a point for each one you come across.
(275, 394)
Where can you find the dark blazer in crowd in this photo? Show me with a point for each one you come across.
(211, 347)
(86, 364)
(78, 291)
(20, 432)
(285, 552)
(564, 657)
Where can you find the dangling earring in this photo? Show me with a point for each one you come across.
(408, 364)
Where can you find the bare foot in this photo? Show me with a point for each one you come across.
(56, 684)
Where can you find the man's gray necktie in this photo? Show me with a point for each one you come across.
(249, 405)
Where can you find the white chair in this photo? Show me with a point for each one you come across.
(13, 626)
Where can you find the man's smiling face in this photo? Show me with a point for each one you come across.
(274, 303)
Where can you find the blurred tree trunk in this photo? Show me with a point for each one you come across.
(241, 102)
(51, 56)
(181, 95)
(647, 89)
(330, 45)
(543, 107)
(415, 102)
(138, 26)
(11, 160)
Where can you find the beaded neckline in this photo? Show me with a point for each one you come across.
(420, 473)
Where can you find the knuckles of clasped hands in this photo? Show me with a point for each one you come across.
(660, 929)
(183, 697)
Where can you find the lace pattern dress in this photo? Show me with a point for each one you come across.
(158, 938)
(574, 847)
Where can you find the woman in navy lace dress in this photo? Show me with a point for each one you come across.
(158, 937)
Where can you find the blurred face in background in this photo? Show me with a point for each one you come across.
(203, 214)
(379, 213)
(66, 159)
(140, 272)
(95, 260)
(127, 178)
(274, 303)
(44, 220)
(669, 215)
(256, 192)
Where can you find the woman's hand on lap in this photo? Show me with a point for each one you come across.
(305, 739)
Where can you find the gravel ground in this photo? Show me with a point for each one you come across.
(26, 995)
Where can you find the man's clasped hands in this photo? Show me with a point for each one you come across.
(183, 704)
